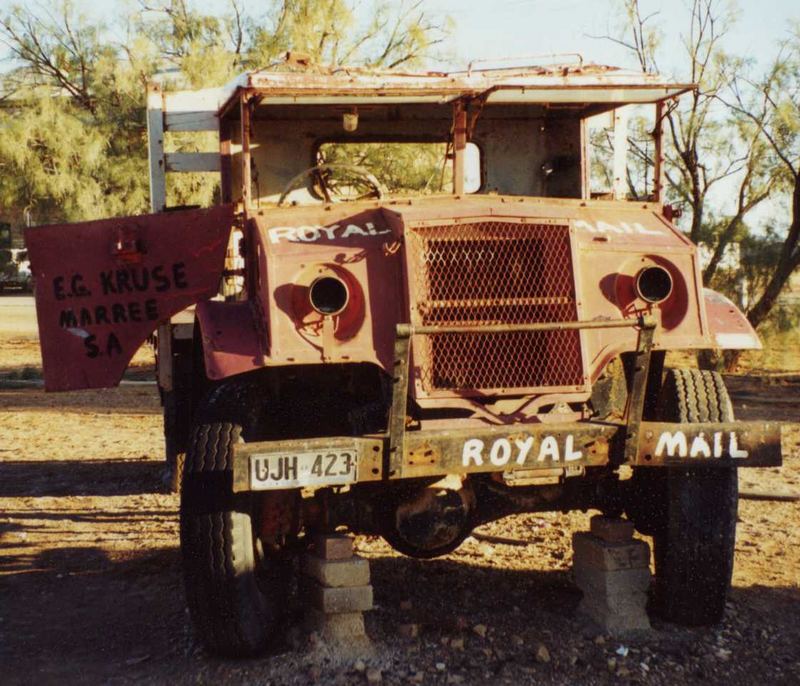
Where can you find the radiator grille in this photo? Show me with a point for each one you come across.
(493, 273)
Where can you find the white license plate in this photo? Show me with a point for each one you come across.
(293, 470)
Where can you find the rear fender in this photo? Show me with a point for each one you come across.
(102, 287)
(729, 328)
(230, 338)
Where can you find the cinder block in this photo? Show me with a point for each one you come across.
(615, 622)
(333, 546)
(610, 582)
(590, 551)
(344, 626)
(337, 573)
(612, 529)
(339, 600)
(617, 603)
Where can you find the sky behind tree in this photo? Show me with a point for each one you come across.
(528, 27)
(488, 29)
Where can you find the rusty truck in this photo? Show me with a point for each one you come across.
(337, 349)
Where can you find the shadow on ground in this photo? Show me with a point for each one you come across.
(85, 617)
(92, 477)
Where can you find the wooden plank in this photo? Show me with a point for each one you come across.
(191, 121)
(192, 161)
(205, 100)
(155, 149)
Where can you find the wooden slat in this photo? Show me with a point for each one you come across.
(155, 149)
(191, 121)
(205, 100)
(192, 161)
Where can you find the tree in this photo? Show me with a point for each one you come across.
(72, 144)
(706, 142)
(80, 85)
(772, 104)
(733, 132)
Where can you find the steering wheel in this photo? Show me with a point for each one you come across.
(354, 183)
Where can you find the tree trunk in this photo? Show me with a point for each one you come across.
(787, 263)
(719, 250)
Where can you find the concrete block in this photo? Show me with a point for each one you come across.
(617, 603)
(333, 546)
(595, 580)
(343, 627)
(337, 573)
(612, 529)
(615, 622)
(591, 551)
(339, 600)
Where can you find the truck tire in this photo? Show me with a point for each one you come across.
(693, 521)
(235, 595)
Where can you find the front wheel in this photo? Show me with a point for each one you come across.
(690, 511)
(235, 588)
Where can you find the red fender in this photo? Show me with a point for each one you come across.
(230, 338)
(729, 328)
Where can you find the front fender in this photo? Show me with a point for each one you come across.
(729, 328)
(230, 338)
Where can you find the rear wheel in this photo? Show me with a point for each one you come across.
(236, 587)
(690, 511)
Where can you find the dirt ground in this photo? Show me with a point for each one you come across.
(91, 590)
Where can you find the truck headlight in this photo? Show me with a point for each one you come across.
(653, 284)
(328, 295)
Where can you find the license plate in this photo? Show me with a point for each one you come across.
(293, 470)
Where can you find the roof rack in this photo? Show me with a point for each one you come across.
(524, 61)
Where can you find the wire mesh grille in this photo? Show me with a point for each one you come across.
(493, 273)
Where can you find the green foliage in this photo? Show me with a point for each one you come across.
(401, 167)
(73, 141)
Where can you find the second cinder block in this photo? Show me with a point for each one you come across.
(333, 546)
(591, 551)
(337, 573)
(592, 579)
(338, 600)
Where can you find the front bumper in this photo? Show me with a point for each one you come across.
(528, 450)
(521, 452)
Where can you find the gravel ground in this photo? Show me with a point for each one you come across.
(91, 592)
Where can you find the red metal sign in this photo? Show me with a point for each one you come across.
(102, 287)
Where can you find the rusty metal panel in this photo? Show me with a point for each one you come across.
(728, 325)
(493, 272)
(102, 287)
(507, 449)
(740, 444)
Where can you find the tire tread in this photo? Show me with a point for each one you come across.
(231, 617)
(694, 541)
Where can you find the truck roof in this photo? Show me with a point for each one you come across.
(573, 83)
(297, 81)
